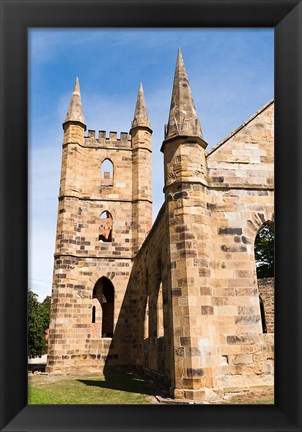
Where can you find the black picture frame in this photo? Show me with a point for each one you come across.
(19, 15)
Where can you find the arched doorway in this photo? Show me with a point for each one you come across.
(103, 291)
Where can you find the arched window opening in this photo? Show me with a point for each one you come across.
(104, 293)
(93, 315)
(146, 308)
(107, 173)
(160, 312)
(146, 320)
(263, 321)
(264, 251)
(105, 228)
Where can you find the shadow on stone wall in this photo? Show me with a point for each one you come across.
(130, 351)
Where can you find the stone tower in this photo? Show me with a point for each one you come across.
(188, 227)
(105, 212)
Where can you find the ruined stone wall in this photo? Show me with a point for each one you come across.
(203, 246)
(241, 175)
(245, 158)
(266, 287)
(151, 312)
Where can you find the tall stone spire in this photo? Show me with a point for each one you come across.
(183, 119)
(74, 112)
(140, 114)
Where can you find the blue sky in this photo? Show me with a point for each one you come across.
(231, 73)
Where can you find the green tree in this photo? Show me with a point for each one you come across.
(38, 322)
(264, 251)
(45, 305)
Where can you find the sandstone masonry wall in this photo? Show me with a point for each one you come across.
(240, 177)
(148, 297)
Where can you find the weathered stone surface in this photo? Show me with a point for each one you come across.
(140, 114)
(183, 119)
(75, 112)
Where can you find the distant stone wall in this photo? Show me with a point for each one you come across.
(266, 287)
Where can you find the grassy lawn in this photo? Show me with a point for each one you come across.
(88, 389)
(118, 389)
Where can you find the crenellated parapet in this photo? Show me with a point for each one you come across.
(111, 141)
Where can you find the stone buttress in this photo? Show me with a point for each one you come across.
(195, 339)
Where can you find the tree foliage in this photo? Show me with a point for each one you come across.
(264, 251)
(38, 322)
(46, 305)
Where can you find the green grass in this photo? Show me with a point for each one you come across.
(117, 389)
(264, 401)
(252, 399)
(88, 389)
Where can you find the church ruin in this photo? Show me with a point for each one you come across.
(177, 301)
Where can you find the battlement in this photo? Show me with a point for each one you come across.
(124, 139)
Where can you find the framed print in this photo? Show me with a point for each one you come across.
(108, 315)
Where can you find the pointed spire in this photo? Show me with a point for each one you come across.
(140, 114)
(183, 119)
(74, 112)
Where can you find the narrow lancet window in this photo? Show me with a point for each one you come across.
(146, 320)
(160, 312)
(107, 173)
(93, 314)
(262, 311)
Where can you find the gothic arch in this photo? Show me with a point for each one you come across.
(265, 215)
(95, 277)
(103, 293)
